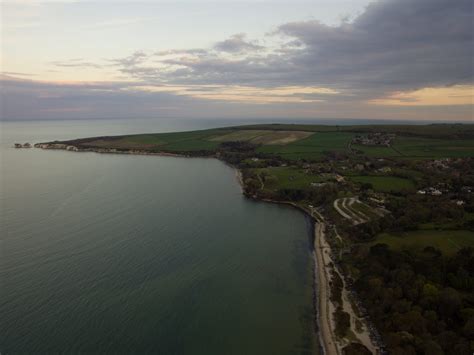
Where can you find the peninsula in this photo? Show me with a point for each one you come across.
(393, 207)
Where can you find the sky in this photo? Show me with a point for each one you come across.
(319, 59)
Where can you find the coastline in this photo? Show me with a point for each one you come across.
(239, 177)
(325, 306)
(322, 304)
(323, 267)
(321, 289)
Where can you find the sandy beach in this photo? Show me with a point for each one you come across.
(325, 307)
(330, 343)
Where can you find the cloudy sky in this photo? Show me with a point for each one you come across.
(386, 59)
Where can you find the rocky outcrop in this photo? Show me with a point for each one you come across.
(19, 145)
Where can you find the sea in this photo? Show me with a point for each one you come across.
(103, 253)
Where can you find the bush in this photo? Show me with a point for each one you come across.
(343, 322)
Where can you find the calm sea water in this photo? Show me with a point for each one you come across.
(141, 254)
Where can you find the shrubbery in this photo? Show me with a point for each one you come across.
(423, 303)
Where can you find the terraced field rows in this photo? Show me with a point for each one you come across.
(355, 211)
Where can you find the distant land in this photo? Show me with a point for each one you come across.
(393, 207)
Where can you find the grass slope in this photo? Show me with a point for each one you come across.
(385, 183)
(448, 241)
(287, 178)
(313, 147)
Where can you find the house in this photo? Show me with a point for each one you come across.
(430, 191)
(380, 139)
(467, 189)
(385, 169)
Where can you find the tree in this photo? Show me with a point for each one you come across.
(430, 347)
(449, 301)
(343, 322)
(355, 349)
(252, 184)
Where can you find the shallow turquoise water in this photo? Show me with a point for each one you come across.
(141, 254)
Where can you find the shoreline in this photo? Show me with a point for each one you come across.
(321, 301)
(325, 306)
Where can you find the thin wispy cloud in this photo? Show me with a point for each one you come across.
(9, 73)
(76, 63)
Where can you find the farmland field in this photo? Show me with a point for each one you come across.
(186, 141)
(385, 183)
(365, 210)
(448, 241)
(191, 145)
(264, 137)
(381, 152)
(440, 131)
(288, 178)
(434, 148)
(240, 135)
(313, 147)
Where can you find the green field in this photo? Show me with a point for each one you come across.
(309, 142)
(189, 141)
(448, 241)
(365, 210)
(179, 142)
(145, 139)
(378, 152)
(434, 148)
(239, 135)
(191, 145)
(385, 183)
(288, 178)
(264, 137)
(313, 147)
(442, 130)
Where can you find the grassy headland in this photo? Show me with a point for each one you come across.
(395, 212)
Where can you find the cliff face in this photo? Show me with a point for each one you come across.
(51, 145)
(57, 146)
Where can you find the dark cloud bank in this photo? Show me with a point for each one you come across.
(395, 45)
